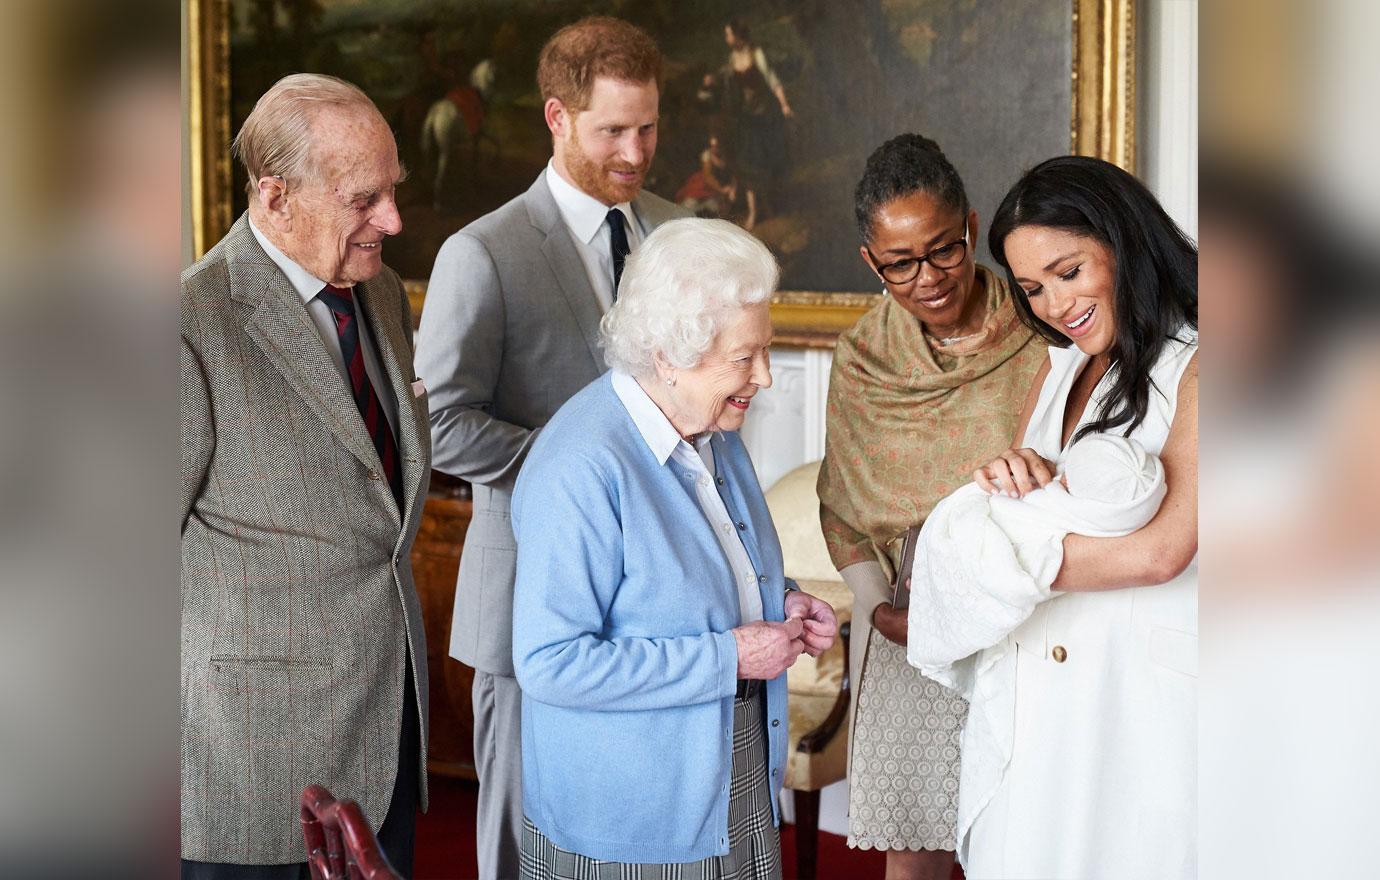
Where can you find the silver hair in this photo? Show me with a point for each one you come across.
(275, 140)
(678, 289)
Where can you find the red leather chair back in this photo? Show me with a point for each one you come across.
(340, 843)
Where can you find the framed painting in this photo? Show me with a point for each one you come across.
(769, 108)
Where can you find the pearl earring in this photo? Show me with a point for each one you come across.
(670, 380)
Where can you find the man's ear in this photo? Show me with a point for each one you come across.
(558, 118)
(272, 199)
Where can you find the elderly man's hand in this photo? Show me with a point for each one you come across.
(767, 648)
(817, 617)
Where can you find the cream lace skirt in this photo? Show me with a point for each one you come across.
(903, 791)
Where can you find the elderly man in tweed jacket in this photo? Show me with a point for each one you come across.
(305, 460)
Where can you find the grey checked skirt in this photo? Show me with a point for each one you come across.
(754, 846)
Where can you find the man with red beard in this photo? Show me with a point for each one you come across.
(510, 331)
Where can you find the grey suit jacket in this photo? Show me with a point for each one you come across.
(297, 596)
(510, 331)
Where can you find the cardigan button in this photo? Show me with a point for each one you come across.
(742, 526)
(776, 722)
(1060, 654)
(720, 480)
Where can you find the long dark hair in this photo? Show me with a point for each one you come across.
(1156, 291)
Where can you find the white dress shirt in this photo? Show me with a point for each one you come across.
(308, 286)
(665, 442)
(586, 218)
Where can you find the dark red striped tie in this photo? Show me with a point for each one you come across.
(341, 302)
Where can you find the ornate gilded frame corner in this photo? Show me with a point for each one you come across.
(1102, 124)
(799, 318)
(808, 319)
(1103, 112)
(208, 113)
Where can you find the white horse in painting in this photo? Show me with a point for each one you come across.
(461, 109)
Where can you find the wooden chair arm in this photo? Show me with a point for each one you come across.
(815, 741)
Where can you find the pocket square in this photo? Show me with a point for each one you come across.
(418, 389)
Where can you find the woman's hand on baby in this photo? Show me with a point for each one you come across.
(1014, 473)
(891, 622)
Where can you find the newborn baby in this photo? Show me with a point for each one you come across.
(1110, 486)
(985, 561)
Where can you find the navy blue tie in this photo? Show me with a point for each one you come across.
(618, 246)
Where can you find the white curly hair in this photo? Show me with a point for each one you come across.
(678, 290)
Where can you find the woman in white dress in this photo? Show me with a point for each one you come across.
(1101, 778)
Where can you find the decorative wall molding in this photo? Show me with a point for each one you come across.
(785, 426)
(775, 427)
(1169, 114)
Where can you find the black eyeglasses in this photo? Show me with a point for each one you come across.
(948, 256)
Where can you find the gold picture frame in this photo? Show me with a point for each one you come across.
(1102, 123)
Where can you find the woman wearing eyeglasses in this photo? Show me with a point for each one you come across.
(926, 387)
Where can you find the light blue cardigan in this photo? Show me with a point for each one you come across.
(621, 643)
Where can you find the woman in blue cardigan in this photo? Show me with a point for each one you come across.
(652, 623)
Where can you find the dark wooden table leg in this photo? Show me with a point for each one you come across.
(806, 833)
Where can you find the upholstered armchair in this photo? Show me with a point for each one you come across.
(818, 750)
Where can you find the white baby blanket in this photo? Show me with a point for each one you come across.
(985, 561)
(983, 564)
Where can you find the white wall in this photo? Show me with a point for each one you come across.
(1168, 132)
(785, 426)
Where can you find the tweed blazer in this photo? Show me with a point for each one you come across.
(298, 607)
(510, 332)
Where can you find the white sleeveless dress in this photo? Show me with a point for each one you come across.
(1102, 781)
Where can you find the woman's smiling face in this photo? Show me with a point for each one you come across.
(916, 225)
(1069, 281)
(715, 394)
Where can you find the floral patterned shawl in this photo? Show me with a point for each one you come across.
(908, 422)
